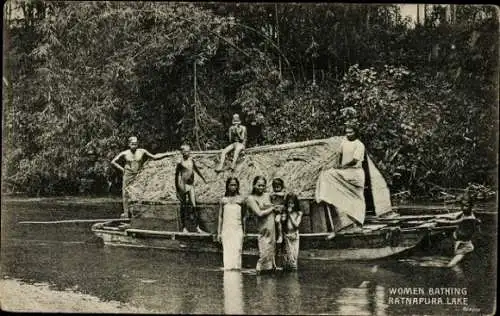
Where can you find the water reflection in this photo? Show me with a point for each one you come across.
(178, 283)
(379, 301)
(233, 293)
(265, 293)
(368, 299)
(279, 293)
(289, 285)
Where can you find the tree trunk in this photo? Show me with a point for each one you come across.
(418, 14)
(447, 13)
(277, 37)
(368, 12)
(196, 123)
(425, 14)
(453, 13)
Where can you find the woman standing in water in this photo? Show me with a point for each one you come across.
(230, 228)
(260, 203)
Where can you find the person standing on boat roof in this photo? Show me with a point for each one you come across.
(238, 139)
(184, 185)
(343, 187)
(134, 158)
(230, 229)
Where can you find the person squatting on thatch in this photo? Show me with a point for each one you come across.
(238, 139)
(230, 226)
(278, 200)
(259, 203)
(134, 158)
(468, 224)
(293, 217)
(184, 186)
(343, 187)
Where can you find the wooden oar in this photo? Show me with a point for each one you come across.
(69, 221)
(330, 219)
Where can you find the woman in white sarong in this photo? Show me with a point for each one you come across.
(343, 187)
(260, 204)
(230, 228)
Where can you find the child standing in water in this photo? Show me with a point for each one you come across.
(291, 236)
(278, 199)
(467, 226)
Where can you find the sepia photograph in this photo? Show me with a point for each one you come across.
(249, 158)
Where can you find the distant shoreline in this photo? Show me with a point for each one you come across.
(16, 296)
(68, 198)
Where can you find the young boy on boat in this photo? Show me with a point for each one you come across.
(278, 199)
(238, 139)
(184, 185)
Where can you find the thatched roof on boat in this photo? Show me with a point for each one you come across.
(298, 164)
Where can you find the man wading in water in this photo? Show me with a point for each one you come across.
(134, 159)
(184, 185)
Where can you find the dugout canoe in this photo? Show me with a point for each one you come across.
(377, 238)
(155, 208)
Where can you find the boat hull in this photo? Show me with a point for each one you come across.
(361, 245)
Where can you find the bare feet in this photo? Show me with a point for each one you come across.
(199, 230)
(331, 236)
(280, 240)
(124, 226)
(185, 230)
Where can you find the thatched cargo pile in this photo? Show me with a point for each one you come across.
(298, 164)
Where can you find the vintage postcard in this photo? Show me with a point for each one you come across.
(249, 158)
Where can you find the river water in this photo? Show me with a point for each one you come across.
(65, 257)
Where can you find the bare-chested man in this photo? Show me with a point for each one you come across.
(184, 184)
(238, 140)
(134, 159)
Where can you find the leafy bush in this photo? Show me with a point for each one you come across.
(81, 77)
(419, 128)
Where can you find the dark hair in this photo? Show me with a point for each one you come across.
(467, 202)
(291, 197)
(228, 181)
(354, 128)
(278, 181)
(255, 180)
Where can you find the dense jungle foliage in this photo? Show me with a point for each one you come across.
(80, 77)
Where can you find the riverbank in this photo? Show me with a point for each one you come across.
(64, 199)
(16, 296)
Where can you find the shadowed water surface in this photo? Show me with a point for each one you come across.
(176, 282)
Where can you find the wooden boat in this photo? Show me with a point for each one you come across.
(371, 241)
(155, 221)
